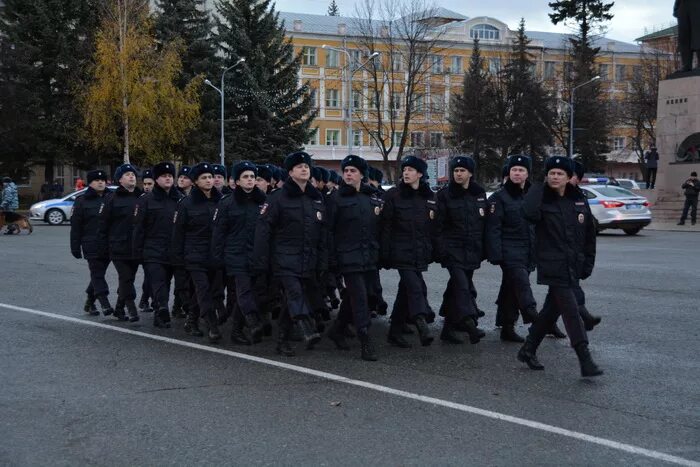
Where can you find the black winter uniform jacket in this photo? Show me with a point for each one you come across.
(84, 225)
(354, 219)
(191, 241)
(460, 226)
(291, 234)
(510, 239)
(407, 231)
(153, 231)
(234, 229)
(117, 223)
(566, 234)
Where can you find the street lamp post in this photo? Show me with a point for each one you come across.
(221, 93)
(571, 114)
(350, 72)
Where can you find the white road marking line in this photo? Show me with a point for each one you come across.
(656, 455)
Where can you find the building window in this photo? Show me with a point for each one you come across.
(374, 139)
(356, 56)
(313, 93)
(396, 62)
(418, 104)
(356, 100)
(357, 138)
(331, 58)
(417, 139)
(308, 56)
(620, 72)
(436, 64)
(549, 70)
(437, 102)
(603, 71)
(313, 138)
(494, 65)
(332, 98)
(618, 143)
(568, 70)
(332, 137)
(396, 98)
(374, 103)
(484, 31)
(456, 66)
(637, 72)
(397, 137)
(435, 139)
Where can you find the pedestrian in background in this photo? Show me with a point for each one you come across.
(651, 159)
(10, 197)
(691, 189)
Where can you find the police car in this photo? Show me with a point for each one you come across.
(614, 207)
(56, 211)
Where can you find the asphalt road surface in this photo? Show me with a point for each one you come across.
(76, 390)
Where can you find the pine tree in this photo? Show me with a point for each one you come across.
(45, 49)
(333, 9)
(593, 115)
(267, 113)
(189, 22)
(472, 115)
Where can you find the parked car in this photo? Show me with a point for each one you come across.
(56, 211)
(614, 207)
(628, 184)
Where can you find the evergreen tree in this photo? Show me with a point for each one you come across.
(267, 113)
(333, 9)
(472, 115)
(45, 49)
(592, 111)
(189, 22)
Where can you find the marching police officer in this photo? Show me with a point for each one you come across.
(191, 246)
(407, 236)
(294, 217)
(510, 245)
(233, 240)
(116, 230)
(183, 287)
(147, 183)
(263, 179)
(219, 178)
(84, 234)
(566, 247)
(353, 215)
(184, 182)
(460, 233)
(152, 236)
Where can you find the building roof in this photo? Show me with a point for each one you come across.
(672, 31)
(322, 24)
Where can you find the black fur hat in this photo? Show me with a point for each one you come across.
(163, 168)
(464, 162)
(412, 161)
(218, 169)
(201, 168)
(296, 158)
(559, 162)
(238, 169)
(122, 169)
(147, 173)
(265, 173)
(184, 170)
(520, 160)
(96, 175)
(356, 161)
(579, 170)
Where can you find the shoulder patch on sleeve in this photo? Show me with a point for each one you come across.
(263, 209)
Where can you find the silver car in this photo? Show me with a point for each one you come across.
(615, 207)
(56, 211)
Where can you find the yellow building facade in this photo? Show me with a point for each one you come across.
(322, 68)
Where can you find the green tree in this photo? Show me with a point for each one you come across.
(333, 9)
(592, 111)
(268, 114)
(132, 101)
(189, 22)
(45, 49)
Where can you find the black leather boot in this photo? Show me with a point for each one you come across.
(308, 331)
(105, 305)
(90, 307)
(161, 318)
(396, 338)
(255, 327)
(449, 335)
(179, 311)
(119, 312)
(283, 345)
(588, 366)
(527, 354)
(133, 313)
(337, 335)
(367, 350)
(529, 315)
(192, 326)
(406, 329)
(589, 321)
(144, 307)
(556, 332)
(426, 337)
(475, 334)
(508, 334)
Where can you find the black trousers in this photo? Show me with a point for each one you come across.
(411, 298)
(98, 285)
(218, 291)
(182, 286)
(126, 269)
(376, 298)
(146, 289)
(651, 177)
(202, 282)
(355, 306)
(159, 276)
(296, 296)
(691, 204)
(562, 301)
(458, 298)
(241, 292)
(514, 295)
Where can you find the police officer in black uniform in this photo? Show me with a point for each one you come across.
(263, 179)
(460, 234)
(184, 182)
(376, 299)
(147, 184)
(407, 236)
(291, 237)
(353, 216)
(116, 230)
(232, 239)
(191, 246)
(566, 247)
(152, 236)
(84, 234)
(183, 289)
(510, 245)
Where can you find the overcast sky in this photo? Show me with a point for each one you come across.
(631, 16)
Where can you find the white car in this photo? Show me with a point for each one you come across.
(56, 211)
(628, 184)
(614, 207)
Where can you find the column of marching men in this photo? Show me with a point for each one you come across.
(292, 244)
